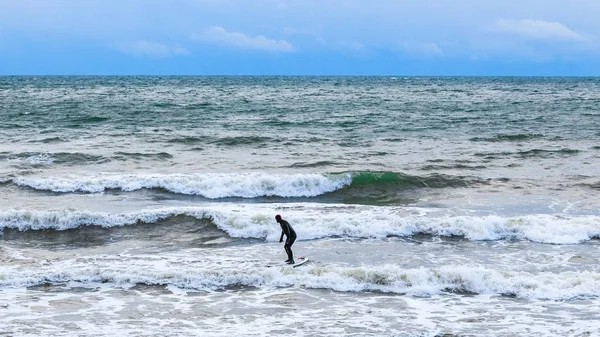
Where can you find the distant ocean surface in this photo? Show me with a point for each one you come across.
(452, 206)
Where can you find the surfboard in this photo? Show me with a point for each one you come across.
(300, 261)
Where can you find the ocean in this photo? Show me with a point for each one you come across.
(450, 206)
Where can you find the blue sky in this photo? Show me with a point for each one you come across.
(300, 37)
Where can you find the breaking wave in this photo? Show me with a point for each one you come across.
(350, 187)
(321, 221)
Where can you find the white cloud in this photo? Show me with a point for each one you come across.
(152, 49)
(423, 49)
(221, 36)
(538, 30)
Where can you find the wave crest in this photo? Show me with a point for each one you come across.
(320, 221)
(210, 275)
(350, 187)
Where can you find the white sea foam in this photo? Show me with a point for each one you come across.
(208, 274)
(40, 159)
(209, 185)
(314, 221)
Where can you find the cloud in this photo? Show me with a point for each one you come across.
(537, 30)
(220, 36)
(429, 49)
(152, 49)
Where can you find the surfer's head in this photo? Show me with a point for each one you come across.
(278, 217)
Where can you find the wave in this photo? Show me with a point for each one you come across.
(452, 167)
(210, 185)
(243, 140)
(85, 121)
(136, 155)
(533, 153)
(212, 274)
(547, 153)
(380, 188)
(349, 187)
(37, 159)
(315, 221)
(40, 159)
(313, 164)
(53, 140)
(509, 138)
(190, 140)
(92, 119)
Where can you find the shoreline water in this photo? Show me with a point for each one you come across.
(143, 206)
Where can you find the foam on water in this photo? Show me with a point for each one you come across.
(216, 185)
(313, 221)
(209, 273)
(484, 158)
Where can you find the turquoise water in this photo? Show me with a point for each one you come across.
(413, 197)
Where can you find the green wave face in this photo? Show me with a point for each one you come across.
(384, 188)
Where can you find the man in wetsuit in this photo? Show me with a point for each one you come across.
(287, 229)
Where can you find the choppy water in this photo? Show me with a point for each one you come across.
(144, 206)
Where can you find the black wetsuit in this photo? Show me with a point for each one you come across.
(287, 229)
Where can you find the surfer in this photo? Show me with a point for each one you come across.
(287, 229)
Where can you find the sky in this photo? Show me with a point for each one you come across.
(300, 37)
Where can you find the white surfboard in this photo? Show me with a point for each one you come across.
(300, 261)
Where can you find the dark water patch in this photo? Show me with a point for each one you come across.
(238, 287)
(534, 153)
(493, 155)
(175, 231)
(190, 140)
(452, 167)
(596, 147)
(11, 126)
(67, 158)
(242, 140)
(140, 156)
(89, 120)
(595, 186)
(394, 140)
(309, 140)
(353, 143)
(313, 164)
(276, 122)
(38, 159)
(376, 154)
(546, 153)
(508, 138)
(197, 106)
(164, 105)
(459, 290)
(52, 140)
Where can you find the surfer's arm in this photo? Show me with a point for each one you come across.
(281, 238)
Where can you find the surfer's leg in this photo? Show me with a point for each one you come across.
(288, 250)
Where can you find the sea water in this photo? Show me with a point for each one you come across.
(144, 206)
